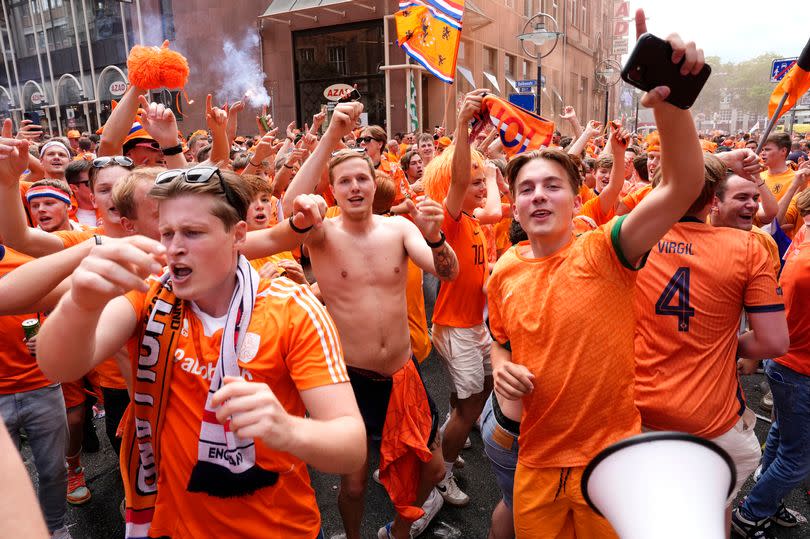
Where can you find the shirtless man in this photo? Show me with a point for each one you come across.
(360, 262)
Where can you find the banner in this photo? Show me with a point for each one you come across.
(414, 119)
(429, 31)
(519, 129)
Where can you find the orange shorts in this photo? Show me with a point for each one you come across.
(548, 503)
(76, 393)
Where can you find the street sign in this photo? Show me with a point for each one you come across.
(37, 98)
(620, 46)
(118, 88)
(526, 85)
(780, 67)
(524, 101)
(336, 91)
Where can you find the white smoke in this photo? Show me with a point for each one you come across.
(240, 74)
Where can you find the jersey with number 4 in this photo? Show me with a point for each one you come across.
(689, 297)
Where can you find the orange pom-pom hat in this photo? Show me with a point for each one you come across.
(157, 67)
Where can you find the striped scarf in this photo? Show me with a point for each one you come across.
(225, 464)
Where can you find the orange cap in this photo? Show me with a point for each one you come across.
(73, 134)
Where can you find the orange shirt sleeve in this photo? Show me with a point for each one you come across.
(603, 251)
(593, 209)
(762, 293)
(632, 199)
(496, 326)
(310, 344)
(70, 237)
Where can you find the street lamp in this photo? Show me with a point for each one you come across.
(607, 74)
(540, 29)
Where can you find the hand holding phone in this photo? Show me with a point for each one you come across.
(673, 64)
(354, 95)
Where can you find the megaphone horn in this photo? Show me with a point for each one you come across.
(637, 484)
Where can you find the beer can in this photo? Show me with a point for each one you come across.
(30, 327)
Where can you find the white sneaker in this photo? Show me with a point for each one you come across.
(431, 507)
(459, 463)
(61, 533)
(451, 493)
(467, 443)
(376, 476)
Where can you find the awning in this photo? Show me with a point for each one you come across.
(513, 84)
(474, 16)
(493, 81)
(295, 7)
(468, 76)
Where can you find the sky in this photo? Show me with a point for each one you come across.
(734, 31)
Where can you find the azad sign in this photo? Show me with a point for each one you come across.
(336, 91)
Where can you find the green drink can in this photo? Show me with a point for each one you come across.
(30, 327)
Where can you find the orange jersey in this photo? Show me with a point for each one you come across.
(74, 237)
(586, 193)
(792, 217)
(795, 282)
(593, 210)
(18, 368)
(537, 306)
(767, 241)
(400, 181)
(417, 317)
(697, 281)
(632, 198)
(778, 183)
(291, 345)
(460, 303)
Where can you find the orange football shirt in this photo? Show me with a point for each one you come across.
(569, 319)
(18, 369)
(593, 210)
(778, 183)
(796, 286)
(631, 199)
(292, 346)
(460, 303)
(767, 241)
(697, 281)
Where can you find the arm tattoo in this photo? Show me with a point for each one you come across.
(445, 262)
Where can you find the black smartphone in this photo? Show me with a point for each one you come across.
(650, 65)
(354, 95)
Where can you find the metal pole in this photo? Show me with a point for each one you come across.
(140, 22)
(124, 27)
(771, 122)
(92, 64)
(635, 123)
(607, 105)
(537, 88)
(13, 58)
(39, 62)
(50, 67)
(387, 57)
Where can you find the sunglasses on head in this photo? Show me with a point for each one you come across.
(120, 160)
(366, 139)
(361, 151)
(203, 174)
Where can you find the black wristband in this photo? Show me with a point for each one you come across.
(288, 166)
(296, 229)
(172, 150)
(255, 165)
(434, 245)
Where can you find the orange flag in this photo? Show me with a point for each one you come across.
(519, 129)
(795, 84)
(429, 31)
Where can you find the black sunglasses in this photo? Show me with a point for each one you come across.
(366, 139)
(120, 160)
(203, 174)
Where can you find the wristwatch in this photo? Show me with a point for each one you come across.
(172, 150)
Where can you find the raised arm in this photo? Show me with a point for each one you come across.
(424, 242)
(93, 321)
(14, 229)
(217, 121)
(681, 160)
(307, 218)
(462, 158)
(158, 120)
(491, 212)
(120, 122)
(570, 116)
(590, 131)
(309, 175)
(796, 186)
(266, 149)
(610, 194)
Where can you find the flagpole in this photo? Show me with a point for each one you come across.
(771, 122)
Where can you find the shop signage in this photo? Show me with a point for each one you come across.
(336, 91)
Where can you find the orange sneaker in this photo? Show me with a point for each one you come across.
(77, 491)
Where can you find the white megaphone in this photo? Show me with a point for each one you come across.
(638, 484)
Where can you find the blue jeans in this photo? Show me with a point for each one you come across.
(41, 413)
(502, 459)
(786, 460)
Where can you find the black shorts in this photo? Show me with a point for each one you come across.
(373, 391)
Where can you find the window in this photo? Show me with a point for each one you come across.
(525, 70)
(490, 60)
(575, 14)
(336, 56)
(583, 97)
(29, 42)
(586, 21)
(509, 65)
(529, 8)
(167, 19)
(306, 54)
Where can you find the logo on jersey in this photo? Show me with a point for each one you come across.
(203, 370)
(250, 347)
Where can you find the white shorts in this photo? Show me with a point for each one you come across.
(465, 354)
(741, 444)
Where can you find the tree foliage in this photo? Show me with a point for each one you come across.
(748, 83)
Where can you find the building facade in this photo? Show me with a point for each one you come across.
(65, 60)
